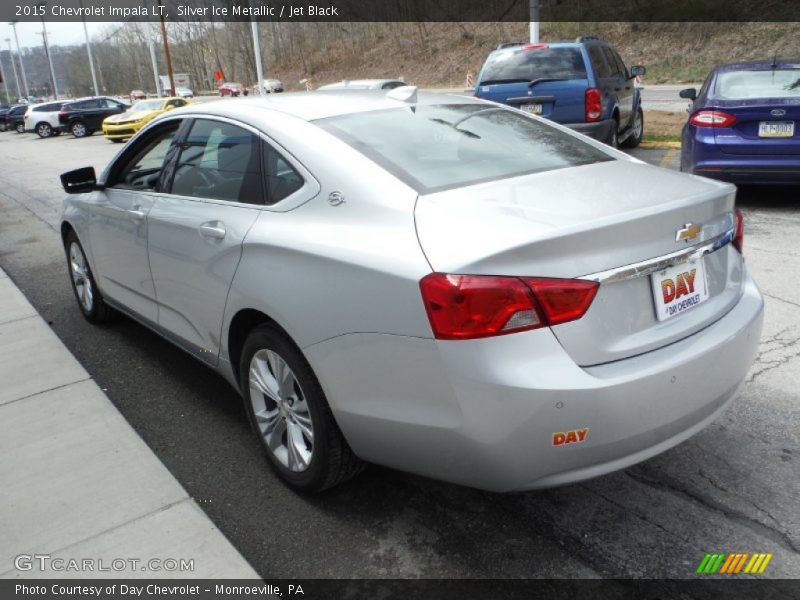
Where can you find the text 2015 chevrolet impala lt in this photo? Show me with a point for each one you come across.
(434, 283)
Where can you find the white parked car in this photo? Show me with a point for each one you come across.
(184, 92)
(43, 119)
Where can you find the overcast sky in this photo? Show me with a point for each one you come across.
(58, 34)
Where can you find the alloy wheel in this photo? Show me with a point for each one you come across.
(79, 270)
(281, 411)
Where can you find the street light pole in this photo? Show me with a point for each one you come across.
(5, 82)
(49, 58)
(14, 68)
(19, 55)
(89, 51)
(257, 50)
(155, 66)
(534, 20)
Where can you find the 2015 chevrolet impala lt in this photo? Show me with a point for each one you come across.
(433, 283)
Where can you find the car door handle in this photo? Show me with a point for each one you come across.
(136, 213)
(212, 229)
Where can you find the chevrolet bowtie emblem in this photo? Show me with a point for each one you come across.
(688, 232)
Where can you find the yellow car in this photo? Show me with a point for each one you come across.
(118, 128)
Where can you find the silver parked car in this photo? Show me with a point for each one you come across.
(364, 84)
(429, 282)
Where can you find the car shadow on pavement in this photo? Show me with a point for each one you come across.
(782, 197)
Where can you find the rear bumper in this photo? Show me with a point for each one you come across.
(483, 413)
(755, 174)
(701, 155)
(600, 130)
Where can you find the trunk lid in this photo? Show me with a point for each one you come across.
(580, 221)
(743, 136)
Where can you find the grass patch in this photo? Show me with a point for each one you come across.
(660, 137)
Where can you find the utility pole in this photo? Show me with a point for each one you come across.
(21, 66)
(257, 50)
(534, 24)
(89, 51)
(155, 66)
(166, 51)
(14, 68)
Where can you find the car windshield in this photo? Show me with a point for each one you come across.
(516, 64)
(146, 106)
(437, 147)
(770, 83)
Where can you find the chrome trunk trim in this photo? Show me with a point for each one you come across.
(660, 263)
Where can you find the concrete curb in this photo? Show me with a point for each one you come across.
(78, 483)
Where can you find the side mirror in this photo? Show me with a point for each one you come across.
(638, 71)
(688, 93)
(169, 107)
(79, 181)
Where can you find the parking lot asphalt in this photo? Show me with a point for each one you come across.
(732, 488)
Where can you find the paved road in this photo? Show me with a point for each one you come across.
(734, 487)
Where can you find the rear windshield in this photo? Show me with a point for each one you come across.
(515, 64)
(772, 83)
(432, 148)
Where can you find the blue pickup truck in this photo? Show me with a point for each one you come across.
(584, 85)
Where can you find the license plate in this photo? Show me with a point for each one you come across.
(679, 288)
(534, 109)
(776, 129)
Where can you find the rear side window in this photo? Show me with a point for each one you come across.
(772, 83)
(219, 161)
(432, 148)
(514, 64)
(612, 63)
(598, 62)
(48, 107)
(282, 179)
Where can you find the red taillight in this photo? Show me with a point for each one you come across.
(562, 300)
(476, 306)
(594, 106)
(738, 238)
(534, 46)
(712, 118)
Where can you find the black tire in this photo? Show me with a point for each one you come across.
(99, 312)
(637, 130)
(79, 129)
(19, 127)
(115, 140)
(332, 461)
(44, 130)
(613, 139)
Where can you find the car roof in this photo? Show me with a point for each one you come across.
(758, 65)
(310, 106)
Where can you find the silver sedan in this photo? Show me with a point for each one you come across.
(429, 282)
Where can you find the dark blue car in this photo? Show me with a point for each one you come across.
(584, 85)
(742, 124)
